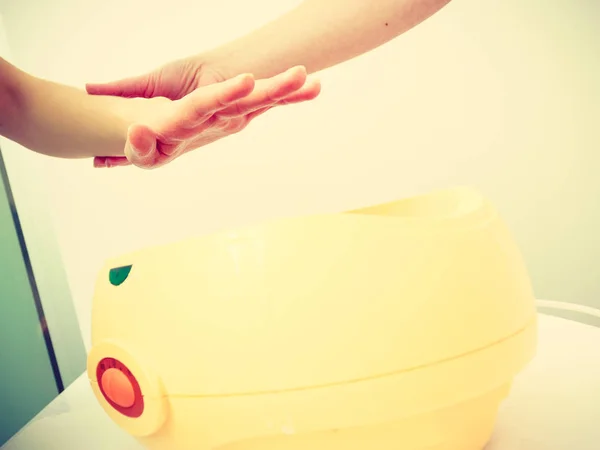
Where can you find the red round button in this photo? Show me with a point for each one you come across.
(120, 387)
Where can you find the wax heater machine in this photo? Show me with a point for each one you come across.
(398, 326)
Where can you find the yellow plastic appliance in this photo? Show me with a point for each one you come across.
(399, 326)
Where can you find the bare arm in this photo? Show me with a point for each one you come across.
(321, 33)
(58, 120)
(65, 122)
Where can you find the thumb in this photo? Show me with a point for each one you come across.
(140, 148)
(127, 87)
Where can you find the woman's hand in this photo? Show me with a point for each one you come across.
(184, 107)
(174, 80)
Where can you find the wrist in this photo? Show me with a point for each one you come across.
(286, 42)
(115, 116)
(219, 63)
(263, 53)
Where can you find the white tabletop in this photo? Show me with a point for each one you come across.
(554, 404)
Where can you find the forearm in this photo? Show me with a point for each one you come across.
(58, 120)
(322, 33)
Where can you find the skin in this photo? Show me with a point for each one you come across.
(317, 34)
(320, 34)
(65, 122)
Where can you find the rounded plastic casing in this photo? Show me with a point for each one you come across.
(290, 330)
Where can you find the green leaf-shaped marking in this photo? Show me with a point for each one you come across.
(118, 275)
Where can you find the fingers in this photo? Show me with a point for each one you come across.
(204, 115)
(100, 162)
(198, 107)
(110, 161)
(140, 148)
(279, 86)
(258, 112)
(127, 87)
(309, 91)
(268, 92)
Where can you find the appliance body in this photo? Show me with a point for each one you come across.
(396, 326)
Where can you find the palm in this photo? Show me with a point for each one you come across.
(173, 81)
(194, 91)
(166, 121)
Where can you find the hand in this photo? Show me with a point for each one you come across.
(174, 80)
(185, 82)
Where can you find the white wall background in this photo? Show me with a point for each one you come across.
(35, 213)
(502, 94)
